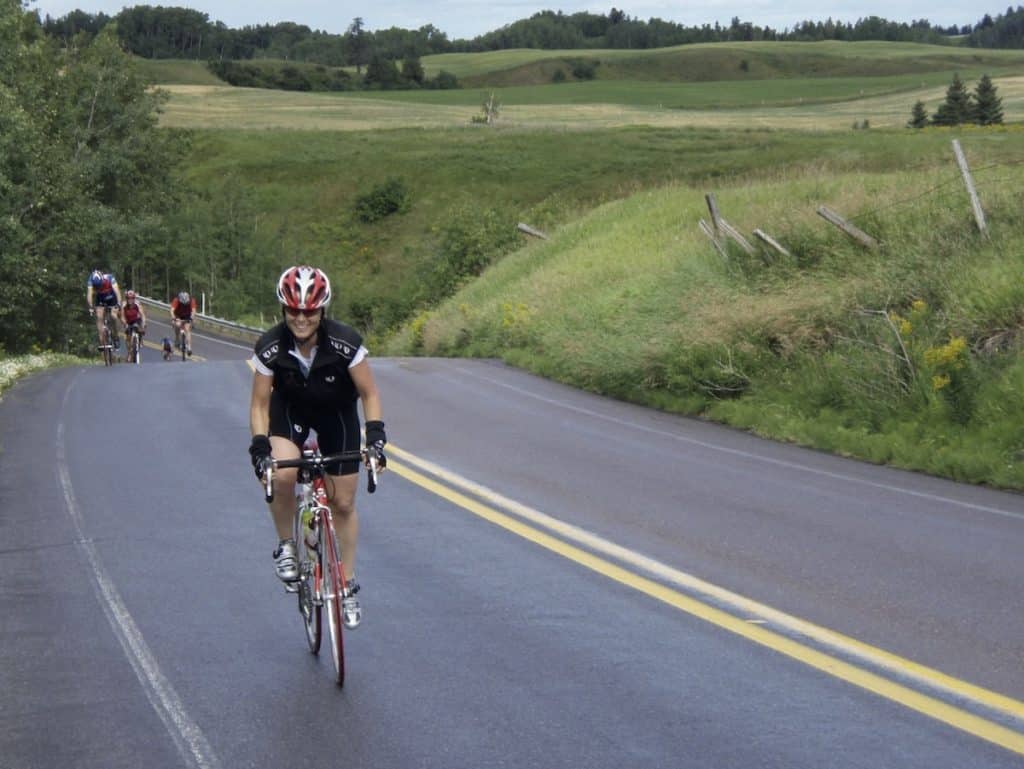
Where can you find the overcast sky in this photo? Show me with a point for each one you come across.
(468, 18)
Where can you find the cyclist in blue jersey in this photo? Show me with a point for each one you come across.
(103, 295)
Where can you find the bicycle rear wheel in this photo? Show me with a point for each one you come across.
(332, 582)
(309, 578)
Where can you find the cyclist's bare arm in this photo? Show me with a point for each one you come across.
(363, 379)
(259, 404)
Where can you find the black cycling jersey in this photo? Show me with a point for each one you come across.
(328, 383)
(325, 399)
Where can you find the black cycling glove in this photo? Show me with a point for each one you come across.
(259, 451)
(376, 439)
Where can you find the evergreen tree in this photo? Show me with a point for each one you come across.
(988, 108)
(956, 109)
(918, 116)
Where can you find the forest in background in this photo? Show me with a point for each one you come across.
(173, 32)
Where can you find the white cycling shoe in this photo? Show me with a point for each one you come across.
(285, 562)
(351, 611)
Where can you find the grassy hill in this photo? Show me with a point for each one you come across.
(801, 348)
(724, 61)
(908, 354)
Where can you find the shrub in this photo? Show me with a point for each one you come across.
(583, 69)
(383, 200)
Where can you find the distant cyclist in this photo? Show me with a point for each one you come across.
(309, 372)
(133, 317)
(103, 296)
(183, 307)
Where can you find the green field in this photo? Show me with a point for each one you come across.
(616, 171)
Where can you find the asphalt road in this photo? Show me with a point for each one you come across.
(551, 579)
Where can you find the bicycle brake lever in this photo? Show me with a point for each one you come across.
(268, 481)
(371, 475)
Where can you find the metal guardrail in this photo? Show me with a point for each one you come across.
(209, 323)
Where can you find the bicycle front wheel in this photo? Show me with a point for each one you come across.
(309, 579)
(331, 590)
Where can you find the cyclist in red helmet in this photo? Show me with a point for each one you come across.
(310, 371)
(183, 307)
(134, 318)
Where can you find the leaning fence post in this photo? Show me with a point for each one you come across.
(716, 219)
(857, 234)
(979, 215)
(708, 230)
(764, 237)
(528, 230)
(733, 233)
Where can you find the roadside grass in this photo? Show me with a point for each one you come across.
(13, 368)
(908, 355)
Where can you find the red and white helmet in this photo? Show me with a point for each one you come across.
(304, 288)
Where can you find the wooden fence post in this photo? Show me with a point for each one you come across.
(528, 230)
(764, 237)
(979, 215)
(716, 219)
(733, 233)
(708, 230)
(859, 235)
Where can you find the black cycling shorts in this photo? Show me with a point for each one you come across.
(105, 301)
(337, 430)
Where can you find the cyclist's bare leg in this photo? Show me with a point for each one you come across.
(283, 507)
(187, 326)
(100, 310)
(342, 495)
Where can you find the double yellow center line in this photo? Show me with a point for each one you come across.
(445, 484)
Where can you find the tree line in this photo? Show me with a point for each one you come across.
(89, 181)
(86, 178)
(172, 32)
(1004, 31)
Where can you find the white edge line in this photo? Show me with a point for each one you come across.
(186, 734)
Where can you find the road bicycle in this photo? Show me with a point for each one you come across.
(134, 344)
(321, 585)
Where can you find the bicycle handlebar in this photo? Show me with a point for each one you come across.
(319, 462)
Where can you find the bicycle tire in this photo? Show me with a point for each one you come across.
(332, 583)
(309, 574)
(108, 348)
